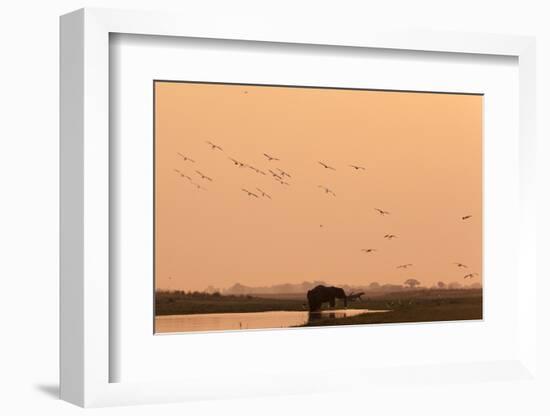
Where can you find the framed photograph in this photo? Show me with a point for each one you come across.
(239, 207)
(246, 239)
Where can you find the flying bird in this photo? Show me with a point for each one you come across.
(390, 236)
(368, 250)
(470, 276)
(237, 163)
(261, 172)
(203, 176)
(270, 158)
(198, 186)
(214, 146)
(186, 158)
(326, 166)
(327, 190)
(282, 182)
(250, 193)
(283, 173)
(381, 211)
(183, 175)
(275, 175)
(466, 217)
(357, 167)
(263, 193)
(404, 266)
(189, 178)
(459, 265)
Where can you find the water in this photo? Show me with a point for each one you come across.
(247, 320)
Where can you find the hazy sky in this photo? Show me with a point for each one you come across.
(423, 158)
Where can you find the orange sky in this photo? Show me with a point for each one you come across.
(423, 158)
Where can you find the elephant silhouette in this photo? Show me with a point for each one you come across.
(322, 294)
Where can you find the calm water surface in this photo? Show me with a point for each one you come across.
(248, 320)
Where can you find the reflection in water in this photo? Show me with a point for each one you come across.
(248, 320)
(317, 316)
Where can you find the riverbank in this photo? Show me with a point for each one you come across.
(416, 309)
(178, 303)
(418, 305)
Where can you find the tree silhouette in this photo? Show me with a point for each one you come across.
(412, 283)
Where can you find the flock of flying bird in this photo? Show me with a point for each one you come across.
(276, 173)
(281, 177)
(407, 265)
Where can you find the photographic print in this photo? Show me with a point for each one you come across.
(290, 206)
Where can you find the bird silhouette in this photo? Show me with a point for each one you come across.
(177, 170)
(275, 175)
(390, 236)
(326, 166)
(237, 163)
(203, 176)
(189, 178)
(357, 167)
(327, 190)
(214, 146)
(270, 158)
(264, 194)
(466, 217)
(283, 173)
(282, 182)
(250, 193)
(368, 250)
(461, 265)
(470, 276)
(255, 169)
(186, 158)
(199, 186)
(404, 266)
(381, 211)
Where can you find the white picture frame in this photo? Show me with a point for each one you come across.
(86, 355)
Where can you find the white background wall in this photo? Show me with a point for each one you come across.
(29, 204)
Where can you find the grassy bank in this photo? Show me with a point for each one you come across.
(179, 303)
(427, 308)
(405, 306)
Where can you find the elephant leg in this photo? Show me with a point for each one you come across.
(311, 302)
(332, 302)
(314, 304)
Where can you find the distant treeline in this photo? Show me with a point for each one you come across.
(239, 289)
(195, 294)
